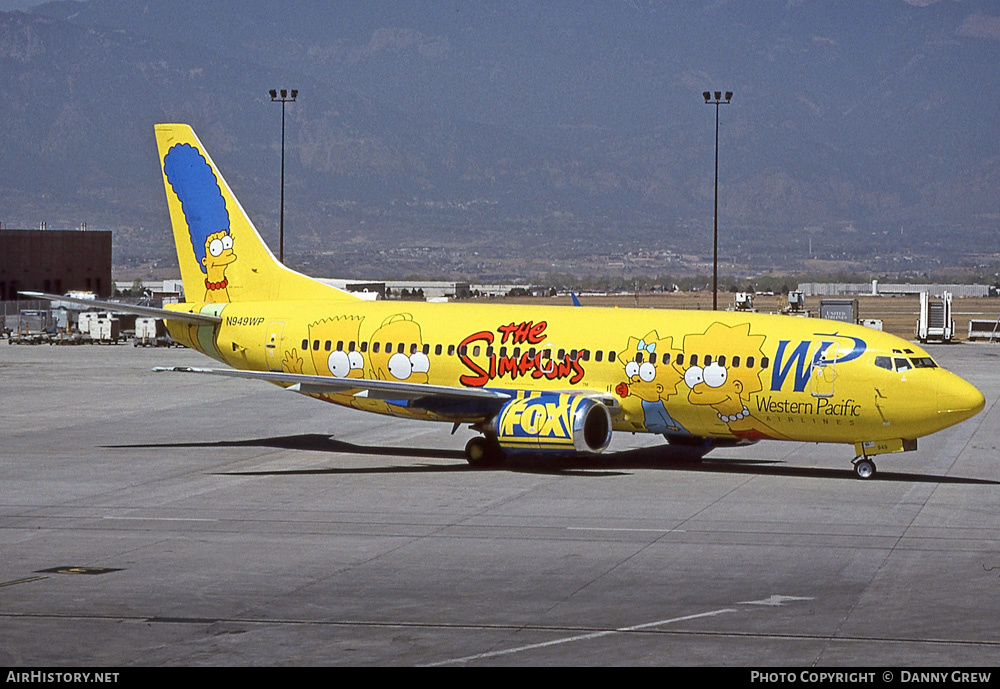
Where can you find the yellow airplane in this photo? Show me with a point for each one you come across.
(538, 379)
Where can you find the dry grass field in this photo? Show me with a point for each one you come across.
(898, 314)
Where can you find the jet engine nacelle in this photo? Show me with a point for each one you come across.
(553, 422)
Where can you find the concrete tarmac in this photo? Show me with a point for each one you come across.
(167, 519)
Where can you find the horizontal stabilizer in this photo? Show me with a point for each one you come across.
(149, 311)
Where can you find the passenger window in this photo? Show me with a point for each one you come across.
(693, 361)
(652, 357)
(736, 361)
(375, 346)
(666, 358)
(475, 351)
(764, 361)
(599, 355)
(749, 362)
(437, 350)
(680, 359)
(722, 360)
(611, 356)
(364, 347)
(638, 357)
(316, 345)
(305, 345)
(883, 362)
(707, 361)
(388, 348)
(451, 350)
(426, 349)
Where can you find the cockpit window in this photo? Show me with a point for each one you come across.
(902, 364)
(883, 362)
(923, 362)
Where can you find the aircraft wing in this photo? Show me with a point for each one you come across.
(451, 403)
(148, 311)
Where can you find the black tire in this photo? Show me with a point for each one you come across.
(481, 452)
(864, 469)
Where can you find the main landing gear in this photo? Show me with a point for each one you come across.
(864, 467)
(483, 452)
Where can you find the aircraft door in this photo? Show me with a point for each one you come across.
(824, 372)
(272, 345)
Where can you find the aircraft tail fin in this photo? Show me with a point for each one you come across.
(222, 257)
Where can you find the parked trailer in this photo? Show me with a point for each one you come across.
(984, 330)
(150, 332)
(106, 330)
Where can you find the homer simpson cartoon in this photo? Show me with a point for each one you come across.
(396, 351)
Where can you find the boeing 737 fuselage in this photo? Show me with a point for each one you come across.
(540, 378)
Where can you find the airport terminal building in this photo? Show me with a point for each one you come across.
(55, 261)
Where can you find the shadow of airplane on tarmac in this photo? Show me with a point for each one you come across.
(666, 457)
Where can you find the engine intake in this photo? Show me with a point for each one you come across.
(553, 422)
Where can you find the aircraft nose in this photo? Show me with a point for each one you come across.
(959, 399)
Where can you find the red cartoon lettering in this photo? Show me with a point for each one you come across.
(526, 332)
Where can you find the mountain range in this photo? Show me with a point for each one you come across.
(518, 132)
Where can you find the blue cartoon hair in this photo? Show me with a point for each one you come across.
(194, 182)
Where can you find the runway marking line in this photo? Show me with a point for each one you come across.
(774, 601)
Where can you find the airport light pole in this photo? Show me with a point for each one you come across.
(283, 96)
(717, 101)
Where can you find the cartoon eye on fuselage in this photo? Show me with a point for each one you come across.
(713, 375)
(345, 364)
(420, 362)
(693, 376)
(402, 366)
(647, 372)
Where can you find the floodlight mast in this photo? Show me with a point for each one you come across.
(285, 97)
(717, 101)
